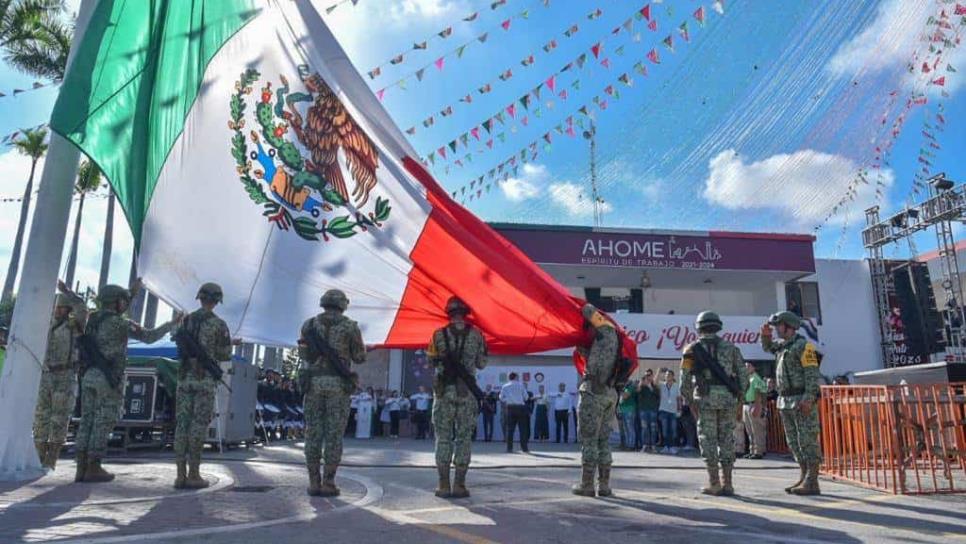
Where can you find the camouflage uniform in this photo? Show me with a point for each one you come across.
(327, 399)
(598, 399)
(454, 407)
(100, 400)
(196, 386)
(797, 378)
(58, 384)
(716, 404)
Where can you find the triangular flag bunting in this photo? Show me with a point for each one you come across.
(625, 79)
(380, 93)
(419, 45)
(595, 49)
(524, 120)
(718, 6)
(488, 124)
(374, 73)
(468, 99)
(452, 145)
(699, 15)
(420, 73)
(411, 131)
(646, 12)
(446, 33)
(683, 30)
(396, 60)
(459, 51)
(551, 83)
(512, 110)
(472, 17)
(475, 132)
(525, 101)
(506, 75)
(669, 42)
(527, 61)
(581, 60)
(652, 56)
(482, 37)
(652, 25)
(605, 63)
(641, 69)
(506, 24)
(939, 81)
(442, 151)
(439, 63)
(595, 14)
(486, 88)
(563, 94)
(571, 31)
(489, 143)
(609, 90)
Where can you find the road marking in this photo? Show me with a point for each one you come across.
(374, 493)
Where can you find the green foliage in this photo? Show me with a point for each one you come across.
(88, 178)
(35, 36)
(33, 143)
(6, 311)
(239, 147)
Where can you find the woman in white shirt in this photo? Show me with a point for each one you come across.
(669, 412)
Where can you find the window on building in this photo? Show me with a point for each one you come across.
(613, 300)
(802, 299)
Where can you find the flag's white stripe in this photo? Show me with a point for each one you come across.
(201, 225)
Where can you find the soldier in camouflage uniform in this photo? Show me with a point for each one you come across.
(327, 398)
(597, 401)
(712, 403)
(196, 386)
(102, 386)
(454, 406)
(797, 378)
(58, 384)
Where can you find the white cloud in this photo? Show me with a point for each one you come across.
(803, 186)
(892, 39)
(527, 185)
(575, 199)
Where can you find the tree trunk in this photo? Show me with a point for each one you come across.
(108, 241)
(14, 267)
(72, 258)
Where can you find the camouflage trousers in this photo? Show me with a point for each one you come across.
(195, 406)
(594, 416)
(716, 433)
(326, 414)
(100, 407)
(454, 418)
(801, 433)
(55, 403)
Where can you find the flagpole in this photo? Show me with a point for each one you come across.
(27, 342)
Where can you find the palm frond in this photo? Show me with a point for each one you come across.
(33, 143)
(88, 177)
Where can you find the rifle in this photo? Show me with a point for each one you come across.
(453, 366)
(703, 359)
(321, 346)
(190, 348)
(91, 355)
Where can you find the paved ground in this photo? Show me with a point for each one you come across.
(258, 496)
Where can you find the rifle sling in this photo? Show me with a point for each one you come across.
(705, 360)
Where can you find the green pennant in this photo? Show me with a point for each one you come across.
(487, 125)
(432, 157)
(452, 145)
(459, 51)
(525, 101)
(499, 117)
(583, 110)
(576, 84)
(537, 112)
(502, 137)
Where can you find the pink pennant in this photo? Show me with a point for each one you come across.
(380, 93)
(512, 110)
(570, 131)
(603, 104)
(605, 63)
(925, 68)
(439, 63)
(595, 49)
(960, 9)
(699, 14)
(475, 131)
(609, 90)
(442, 151)
(489, 143)
(563, 94)
(652, 25)
(506, 24)
(652, 56)
(939, 81)
(646, 12)
(551, 83)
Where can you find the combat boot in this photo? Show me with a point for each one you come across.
(727, 489)
(81, 460)
(179, 480)
(603, 481)
(95, 473)
(810, 485)
(53, 454)
(586, 486)
(459, 484)
(801, 478)
(714, 484)
(442, 488)
(194, 480)
(329, 488)
(315, 480)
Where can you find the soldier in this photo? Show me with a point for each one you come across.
(197, 383)
(597, 401)
(712, 394)
(58, 384)
(330, 343)
(797, 374)
(102, 381)
(455, 408)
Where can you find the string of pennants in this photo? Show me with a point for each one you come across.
(336, 5)
(9, 139)
(577, 63)
(425, 43)
(11, 199)
(420, 73)
(936, 70)
(36, 85)
(516, 114)
(483, 184)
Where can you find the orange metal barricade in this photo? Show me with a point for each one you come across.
(775, 433)
(908, 439)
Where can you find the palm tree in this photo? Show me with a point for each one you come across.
(88, 180)
(33, 144)
(34, 38)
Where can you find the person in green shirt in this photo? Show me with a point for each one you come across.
(753, 413)
(648, 403)
(628, 412)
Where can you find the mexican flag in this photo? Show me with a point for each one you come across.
(245, 149)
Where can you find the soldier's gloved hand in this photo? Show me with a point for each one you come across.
(766, 330)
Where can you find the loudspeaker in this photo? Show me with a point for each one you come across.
(917, 304)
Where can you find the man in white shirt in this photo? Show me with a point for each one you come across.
(514, 398)
(562, 403)
(420, 401)
(670, 410)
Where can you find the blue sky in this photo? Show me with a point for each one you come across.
(759, 123)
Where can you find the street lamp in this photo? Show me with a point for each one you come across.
(592, 136)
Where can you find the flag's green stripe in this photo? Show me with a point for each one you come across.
(133, 81)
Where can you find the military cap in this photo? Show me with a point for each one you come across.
(112, 293)
(334, 298)
(788, 318)
(211, 291)
(455, 305)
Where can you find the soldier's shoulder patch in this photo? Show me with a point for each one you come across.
(687, 358)
(809, 355)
